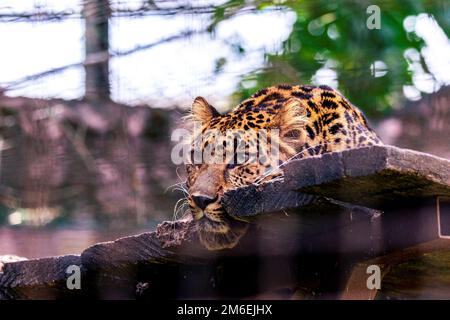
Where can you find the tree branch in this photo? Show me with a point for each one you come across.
(99, 57)
(41, 16)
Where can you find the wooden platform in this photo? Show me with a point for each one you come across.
(310, 237)
(373, 177)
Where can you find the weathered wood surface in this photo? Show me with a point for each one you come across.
(142, 248)
(102, 264)
(356, 288)
(304, 247)
(372, 176)
(43, 278)
(311, 236)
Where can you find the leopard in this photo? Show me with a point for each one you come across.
(309, 121)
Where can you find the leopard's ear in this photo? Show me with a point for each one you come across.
(202, 111)
(291, 118)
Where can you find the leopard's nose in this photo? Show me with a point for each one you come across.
(202, 201)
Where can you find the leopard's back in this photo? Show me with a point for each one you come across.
(332, 122)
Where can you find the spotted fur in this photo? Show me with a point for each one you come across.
(311, 121)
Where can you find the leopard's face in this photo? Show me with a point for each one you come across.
(225, 155)
(207, 183)
(297, 121)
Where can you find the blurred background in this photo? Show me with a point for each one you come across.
(90, 92)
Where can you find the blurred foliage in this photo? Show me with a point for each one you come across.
(334, 35)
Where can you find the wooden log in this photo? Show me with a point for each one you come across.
(371, 176)
(253, 200)
(356, 287)
(43, 278)
(304, 227)
(145, 248)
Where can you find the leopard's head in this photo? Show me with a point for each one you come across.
(243, 147)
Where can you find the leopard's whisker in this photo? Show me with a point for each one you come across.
(181, 211)
(259, 180)
(182, 189)
(175, 185)
(178, 206)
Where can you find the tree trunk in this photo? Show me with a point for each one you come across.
(96, 14)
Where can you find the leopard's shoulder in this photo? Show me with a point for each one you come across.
(333, 122)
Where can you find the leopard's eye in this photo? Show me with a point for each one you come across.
(231, 165)
(292, 134)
